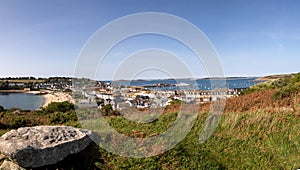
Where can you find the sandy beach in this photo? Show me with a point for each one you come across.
(57, 97)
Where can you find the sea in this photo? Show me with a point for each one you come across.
(191, 84)
(21, 100)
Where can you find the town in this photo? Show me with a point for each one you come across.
(91, 93)
(100, 94)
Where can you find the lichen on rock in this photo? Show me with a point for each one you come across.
(43, 145)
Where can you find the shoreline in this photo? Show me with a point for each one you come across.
(49, 96)
(56, 97)
(42, 92)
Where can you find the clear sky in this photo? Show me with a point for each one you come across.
(253, 38)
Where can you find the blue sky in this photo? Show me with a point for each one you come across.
(253, 38)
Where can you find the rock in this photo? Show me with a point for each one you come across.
(38, 146)
(8, 165)
(82, 160)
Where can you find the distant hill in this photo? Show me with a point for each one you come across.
(273, 77)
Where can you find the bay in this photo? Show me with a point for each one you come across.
(21, 100)
(197, 84)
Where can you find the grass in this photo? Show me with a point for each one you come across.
(256, 131)
(242, 140)
(285, 87)
(259, 139)
(250, 140)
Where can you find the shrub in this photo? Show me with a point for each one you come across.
(286, 86)
(19, 122)
(286, 91)
(59, 107)
(108, 110)
(176, 101)
(280, 82)
(61, 118)
(1, 108)
(247, 91)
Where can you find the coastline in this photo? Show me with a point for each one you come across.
(56, 97)
(49, 96)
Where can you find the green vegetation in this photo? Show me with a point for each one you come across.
(288, 87)
(19, 83)
(107, 110)
(285, 87)
(246, 140)
(252, 140)
(256, 139)
(57, 113)
(61, 113)
(58, 107)
(263, 137)
(63, 117)
(176, 101)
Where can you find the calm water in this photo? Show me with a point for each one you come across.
(200, 84)
(21, 100)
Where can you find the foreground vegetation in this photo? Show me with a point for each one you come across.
(60, 113)
(256, 140)
(248, 140)
(259, 130)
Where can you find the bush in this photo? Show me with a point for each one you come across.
(295, 78)
(61, 118)
(1, 108)
(19, 122)
(280, 82)
(286, 86)
(59, 107)
(286, 91)
(248, 91)
(176, 101)
(108, 110)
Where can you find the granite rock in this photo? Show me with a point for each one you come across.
(43, 145)
(8, 165)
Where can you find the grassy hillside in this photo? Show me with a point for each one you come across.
(258, 130)
(243, 140)
(285, 86)
(252, 140)
(276, 95)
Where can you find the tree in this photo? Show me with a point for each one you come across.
(4, 85)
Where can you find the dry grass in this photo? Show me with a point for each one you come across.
(259, 101)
